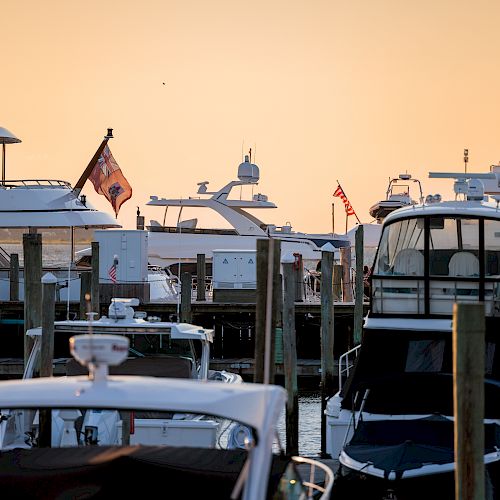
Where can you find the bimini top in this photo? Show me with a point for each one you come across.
(48, 204)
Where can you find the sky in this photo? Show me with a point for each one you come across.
(354, 92)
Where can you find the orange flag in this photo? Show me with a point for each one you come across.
(109, 181)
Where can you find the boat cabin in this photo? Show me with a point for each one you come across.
(431, 256)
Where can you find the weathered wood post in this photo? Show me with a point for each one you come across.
(290, 356)
(468, 399)
(337, 282)
(14, 276)
(85, 290)
(49, 282)
(200, 277)
(186, 314)
(299, 277)
(32, 248)
(345, 262)
(95, 300)
(359, 297)
(327, 336)
(265, 308)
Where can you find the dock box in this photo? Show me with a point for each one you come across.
(234, 275)
(130, 246)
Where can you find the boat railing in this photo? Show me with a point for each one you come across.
(35, 183)
(313, 484)
(208, 287)
(346, 362)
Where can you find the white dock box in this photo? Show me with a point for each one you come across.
(131, 248)
(234, 269)
(234, 275)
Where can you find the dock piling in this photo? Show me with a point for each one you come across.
(94, 293)
(32, 248)
(327, 337)
(468, 399)
(359, 297)
(290, 356)
(14, 277)
(200, 277)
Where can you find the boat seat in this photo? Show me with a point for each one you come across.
(463, 264)
(409, 262)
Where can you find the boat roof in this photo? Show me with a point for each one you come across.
(446, 208)
(135, 326)
(48, 203)
(255, 405)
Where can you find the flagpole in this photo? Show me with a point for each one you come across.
(333, 219)
(83, 178)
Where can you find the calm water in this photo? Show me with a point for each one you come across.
(309, 424)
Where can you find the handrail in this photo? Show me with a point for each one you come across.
(311, 485)
(345, 358)
(36, 182)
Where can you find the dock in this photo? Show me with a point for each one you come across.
(234, 333)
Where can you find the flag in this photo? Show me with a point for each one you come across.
(109, 181)
(339, 192)
(112, 273)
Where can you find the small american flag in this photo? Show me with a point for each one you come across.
(112, 273)
(339, 192)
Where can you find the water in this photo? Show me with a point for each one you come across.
(309, 424)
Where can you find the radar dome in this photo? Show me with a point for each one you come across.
(248, 172)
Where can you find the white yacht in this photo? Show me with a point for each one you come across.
(157, 349)
(181, 242)
(396, 196)
(391, 423)
(37, 467)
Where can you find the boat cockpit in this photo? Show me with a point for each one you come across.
(429, 259)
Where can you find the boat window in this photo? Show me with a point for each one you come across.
(425, 356)
(453, 247)
(401, 248)
(162, 344)
(492, 246)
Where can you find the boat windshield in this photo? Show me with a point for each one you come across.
(424, 263)
(159, 344)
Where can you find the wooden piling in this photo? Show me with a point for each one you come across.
(290, 357)
(468, 399)
(337, 282)
(49, 282)
(186, 313)
(95, 300)
(299, 277)
(327, 337)
(85, 289)
(32, 248)
(265, 319)
(200, 277)
(345, 262)
(14, 277)
(359, 297)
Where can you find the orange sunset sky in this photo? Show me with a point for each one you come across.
(358, 91)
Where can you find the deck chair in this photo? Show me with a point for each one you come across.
(409, 262)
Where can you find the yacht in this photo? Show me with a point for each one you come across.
(156, 348)
(37, 467)
(396, 196)
(391, 423)
(182, 242)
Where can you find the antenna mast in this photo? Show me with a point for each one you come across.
(466, 159)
